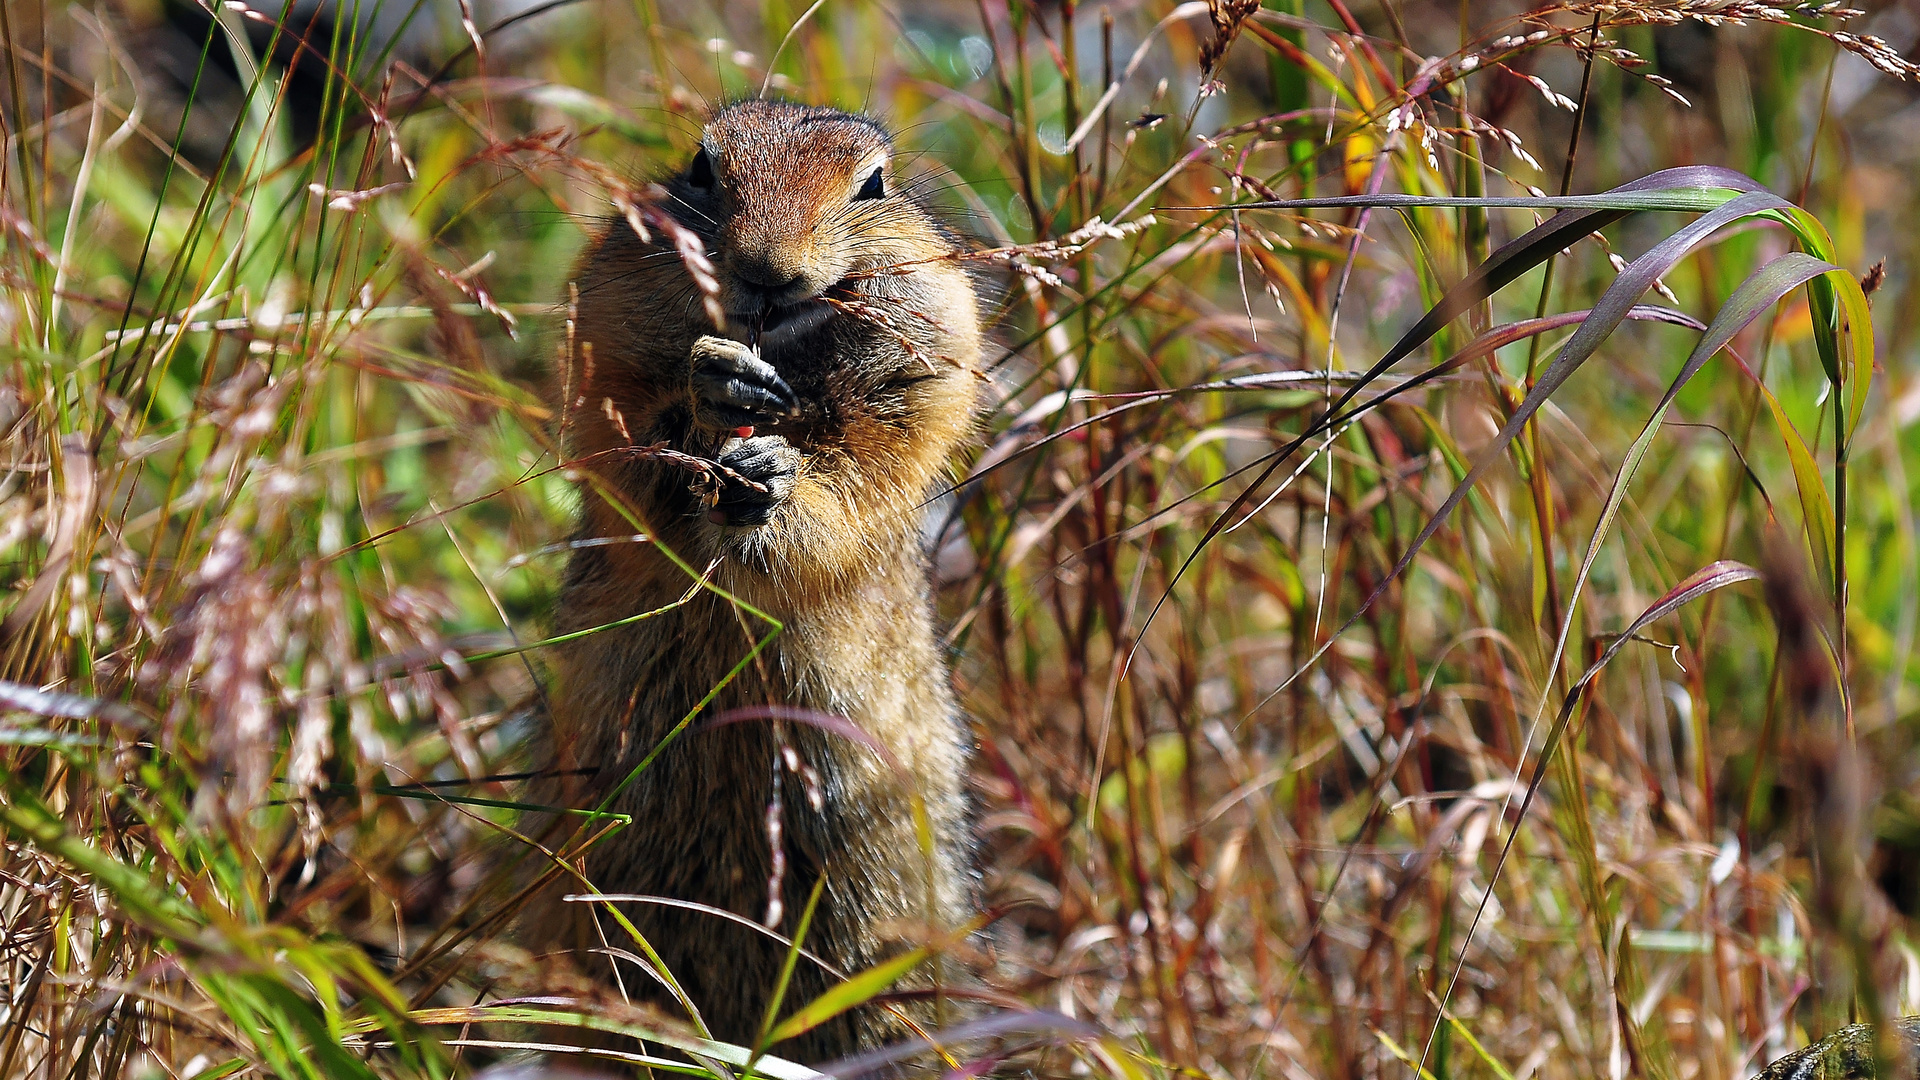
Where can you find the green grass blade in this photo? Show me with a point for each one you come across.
(1400, 1053)
(855, 991)
(786, 969)
(555, 1012)
(1465, 1032)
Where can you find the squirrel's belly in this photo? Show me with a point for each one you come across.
(700, 834)
(866, 724)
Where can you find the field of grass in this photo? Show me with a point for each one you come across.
(1395, 639)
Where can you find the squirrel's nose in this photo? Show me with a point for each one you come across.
(769, 275)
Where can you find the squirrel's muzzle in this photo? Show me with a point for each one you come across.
(774, 283)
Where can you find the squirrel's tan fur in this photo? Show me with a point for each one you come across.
(871, 398)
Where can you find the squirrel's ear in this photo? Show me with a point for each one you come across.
(874, 188)
(700, 173)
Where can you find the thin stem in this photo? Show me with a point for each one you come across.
(1566, 186)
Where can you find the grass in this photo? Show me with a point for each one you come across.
(1298, 756)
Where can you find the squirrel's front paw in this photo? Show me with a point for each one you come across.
(735, 388)
(768, 461)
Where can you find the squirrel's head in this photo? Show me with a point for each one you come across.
(792, 200)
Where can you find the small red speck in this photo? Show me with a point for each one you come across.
(745, 431)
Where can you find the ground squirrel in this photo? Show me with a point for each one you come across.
(839, 389)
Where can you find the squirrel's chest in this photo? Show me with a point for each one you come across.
(695, 679)
(703, 809)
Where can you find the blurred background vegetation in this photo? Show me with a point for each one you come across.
(281, 519)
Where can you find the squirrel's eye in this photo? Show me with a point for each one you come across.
(700, 173)
(874, 188)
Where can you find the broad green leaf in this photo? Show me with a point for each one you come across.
(1815, 506)
(1725, 196)
(1759, 292)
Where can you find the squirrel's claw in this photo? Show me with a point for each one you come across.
(769, 461)
(734, 387)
